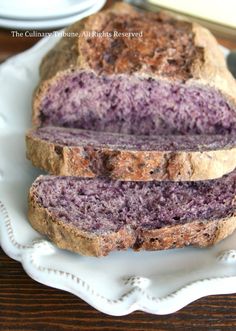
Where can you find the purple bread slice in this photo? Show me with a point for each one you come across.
(170, 79)
(97, 216)
(75, 152)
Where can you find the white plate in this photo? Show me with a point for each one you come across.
(155, 282)
(28, 9)
(50, 23)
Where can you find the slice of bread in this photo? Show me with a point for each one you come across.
(97, 216)
(75, 152)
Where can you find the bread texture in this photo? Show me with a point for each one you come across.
(127, 81)
(98, 236)
(144, 99)
(74, 152)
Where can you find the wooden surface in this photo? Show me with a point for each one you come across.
(27, 305)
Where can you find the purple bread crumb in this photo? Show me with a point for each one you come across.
(101, 205)
(131, 105)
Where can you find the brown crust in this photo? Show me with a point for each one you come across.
(212, 71)
(88, 161)
(200, 233)
(167, 51)
(206, 63)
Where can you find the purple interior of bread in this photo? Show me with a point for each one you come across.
(77, 137)
(128, 104)
(102, 205)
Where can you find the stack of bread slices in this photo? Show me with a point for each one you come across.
(135, 120)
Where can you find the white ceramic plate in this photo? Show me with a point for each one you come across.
(28, 9)
(155, 282)
(50, 23)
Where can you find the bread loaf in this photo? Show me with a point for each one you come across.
(169, 78)
(147, 99)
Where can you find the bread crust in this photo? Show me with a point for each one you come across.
(89, 161)
(208, 66)
(200, 233)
